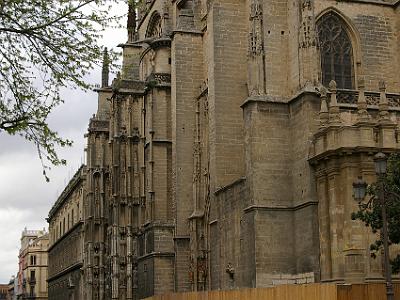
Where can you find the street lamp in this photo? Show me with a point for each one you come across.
(359, 191)
(380, 162)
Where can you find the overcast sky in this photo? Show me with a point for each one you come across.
(25, 197)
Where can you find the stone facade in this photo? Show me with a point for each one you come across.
(32, 274)
(217, 159)
(65, 280)
(3, 291)
(12, 286)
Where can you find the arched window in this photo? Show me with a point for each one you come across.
(336, 51)
(154, 29)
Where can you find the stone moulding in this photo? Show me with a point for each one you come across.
(348, 151)
(155, 254)
(185, 31)
(163, 42)
(280, 208)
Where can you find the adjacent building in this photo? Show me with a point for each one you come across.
(223, 154)
(12, 287)
(32, 275)
(65, 250)
(3, 291)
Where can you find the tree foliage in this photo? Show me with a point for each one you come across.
(370, 212)
(45, 45)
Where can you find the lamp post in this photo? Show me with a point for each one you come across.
(359, 190)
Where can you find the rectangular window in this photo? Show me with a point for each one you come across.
(33, 275)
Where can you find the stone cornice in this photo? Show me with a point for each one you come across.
(341, 151)
(128, 87)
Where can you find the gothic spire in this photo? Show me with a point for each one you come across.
(106, 69)
(131, 24)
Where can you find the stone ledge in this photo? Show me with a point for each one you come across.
(280, 208)
(191, 32)
(65, 271)
(156, 254)
(226, 187)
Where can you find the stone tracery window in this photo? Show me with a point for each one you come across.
(154, 29)
(336, 51)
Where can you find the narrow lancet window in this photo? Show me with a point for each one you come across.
(336, 51)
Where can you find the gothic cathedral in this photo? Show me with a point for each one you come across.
(223, 154)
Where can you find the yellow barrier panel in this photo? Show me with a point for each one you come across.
(317, 291)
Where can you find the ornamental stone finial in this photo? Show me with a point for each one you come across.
(332, 85)
(323, 113)
(383, 103)
(332, 88)
(105, 69)
(361, 83)
(334, 110)
(362, 102)
(382, 86)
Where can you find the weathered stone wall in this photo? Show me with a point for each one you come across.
(278, 138)
(227, 69)
(67, 286)
(187, 76)
(65, 261)
(276, 37)
(268, 160)
(232, 239)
